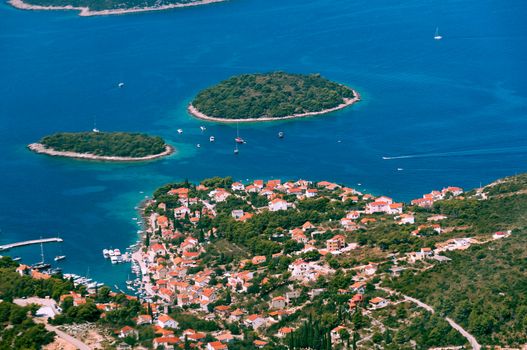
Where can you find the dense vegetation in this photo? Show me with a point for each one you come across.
(118, 144)
(483, 288)
(97, 5)
(272, 95)
(17, 329)
(13, 286)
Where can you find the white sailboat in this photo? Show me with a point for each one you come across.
(238, 139)
(95, 125)
(437, 36)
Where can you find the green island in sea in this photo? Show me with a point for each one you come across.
(271, 96)
(106, 7)
(111, 146)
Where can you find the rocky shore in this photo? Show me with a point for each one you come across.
(85, 11)
(346, 103)
(40, 148)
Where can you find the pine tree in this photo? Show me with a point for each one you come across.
(147, 239)
(355, 339)
(228, 298)
(149, 309)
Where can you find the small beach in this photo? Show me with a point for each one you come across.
(40, 148)
(346, 103)
(86, 12)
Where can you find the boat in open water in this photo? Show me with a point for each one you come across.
(437, 36)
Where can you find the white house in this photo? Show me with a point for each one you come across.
(456, 191)
(180, 212)
(335, 333)
(298, 268)
(219, 195)
(237, 186)
(311, 192)
(377, 207)
(278, 302)
(165, 321)
(499, 235)
(378, 303)
(255, 321)
(353, 215)
(406, 219)
(277, 204)
(237, 213)
(395, 208)
(127, 331)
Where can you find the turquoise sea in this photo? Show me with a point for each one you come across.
(451, 112)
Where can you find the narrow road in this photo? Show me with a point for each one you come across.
(74, 341)
(471, 339)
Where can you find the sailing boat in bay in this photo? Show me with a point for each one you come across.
(238, 139)
(42, 264)
(437, 36)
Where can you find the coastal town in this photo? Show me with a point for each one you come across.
(225, 263)
(274, 175)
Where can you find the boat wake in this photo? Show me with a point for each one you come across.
(518, 149)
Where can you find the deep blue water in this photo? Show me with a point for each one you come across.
(457, 107)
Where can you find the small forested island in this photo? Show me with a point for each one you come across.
(271, 96)
(107, 7)
(107, 146)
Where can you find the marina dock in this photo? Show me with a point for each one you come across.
(30, 242)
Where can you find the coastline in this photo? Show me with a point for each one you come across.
(347, 102)
(41, 149)
(86, 12)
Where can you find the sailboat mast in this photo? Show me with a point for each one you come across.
(42, 251)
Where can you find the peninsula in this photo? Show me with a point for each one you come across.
(270, 97)
(103, 146)
(109, 7)
(295, 265)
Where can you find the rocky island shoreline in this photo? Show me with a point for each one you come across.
(103, 146)
(346, 103)
(273, 96)
(40, 148)
(86, 11)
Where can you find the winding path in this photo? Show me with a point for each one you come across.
(471, 339)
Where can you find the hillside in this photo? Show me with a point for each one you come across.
(484, 288)
(271, 95)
